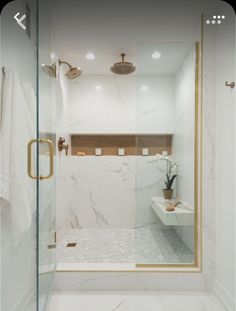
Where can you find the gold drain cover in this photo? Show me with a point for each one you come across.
(71, 244)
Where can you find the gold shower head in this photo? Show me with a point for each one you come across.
(73, 72)
(123, 68)
(50, 70)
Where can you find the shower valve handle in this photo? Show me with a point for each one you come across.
(61, 145)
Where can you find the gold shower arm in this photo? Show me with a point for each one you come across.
(64, 62)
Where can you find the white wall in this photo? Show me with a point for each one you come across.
(96, 192)
(184, 128)
(120, 106)
(225, 162)
(114, 109)
(102, 192)
(184, 138)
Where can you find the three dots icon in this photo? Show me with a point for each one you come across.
(217, 19)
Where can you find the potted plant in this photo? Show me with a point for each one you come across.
(168, 182)
(171, 167)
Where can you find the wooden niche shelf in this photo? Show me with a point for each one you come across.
(86, 144)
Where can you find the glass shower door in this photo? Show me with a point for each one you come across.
(167, 163)
(47, 85)
(18, 203)
(27, 158)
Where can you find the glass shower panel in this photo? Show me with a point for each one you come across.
(17, 128)
(47, 150)
(165, 166)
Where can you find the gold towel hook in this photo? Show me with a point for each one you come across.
(232, 84)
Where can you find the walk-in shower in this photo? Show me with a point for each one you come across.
(108, 169)
(139, 140)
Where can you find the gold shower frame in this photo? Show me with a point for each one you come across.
(196, 267)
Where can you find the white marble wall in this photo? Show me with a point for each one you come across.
(225, 281)
(108, 104)
(155, 104)
(184, 131)
(100, 192)
(208, 155)
(96, 192)
(184, 138)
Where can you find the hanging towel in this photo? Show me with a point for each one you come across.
(16, 130)
(30, 99)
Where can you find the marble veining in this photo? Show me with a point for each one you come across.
(103, 192)
(138, 301)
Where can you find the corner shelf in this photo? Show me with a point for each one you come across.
(180, 217)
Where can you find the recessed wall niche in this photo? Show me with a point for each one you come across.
(85, 144)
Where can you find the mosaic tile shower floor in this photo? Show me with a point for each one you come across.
(145, 245)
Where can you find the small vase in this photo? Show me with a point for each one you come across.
(168, 193)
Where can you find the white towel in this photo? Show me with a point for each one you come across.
(16, 130)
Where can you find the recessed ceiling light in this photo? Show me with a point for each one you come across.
(156, 55)
(98, 87)
(90, 56)
(144, 88)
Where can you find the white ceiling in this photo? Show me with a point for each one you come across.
(107, 28)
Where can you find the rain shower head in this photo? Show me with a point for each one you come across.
(50, 70)
(123, 68)
(73, 72)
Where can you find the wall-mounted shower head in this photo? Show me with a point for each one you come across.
(50, 70)
(73, 72)
(123, 68)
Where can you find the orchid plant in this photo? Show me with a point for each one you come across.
(171, 168)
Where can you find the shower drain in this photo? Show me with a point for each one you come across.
(71, 244)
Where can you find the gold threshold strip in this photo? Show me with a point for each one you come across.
(191, 268)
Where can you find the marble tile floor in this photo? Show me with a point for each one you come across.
(136, 301)
(144, 245)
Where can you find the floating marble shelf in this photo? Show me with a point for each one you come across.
(180, 217)
(133, 144)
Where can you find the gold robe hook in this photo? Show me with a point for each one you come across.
(232, 84)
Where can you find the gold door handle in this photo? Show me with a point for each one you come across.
(31, 142)
(51, 152)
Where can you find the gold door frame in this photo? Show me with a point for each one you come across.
(197, 265)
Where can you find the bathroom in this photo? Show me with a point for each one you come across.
(121, 195)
